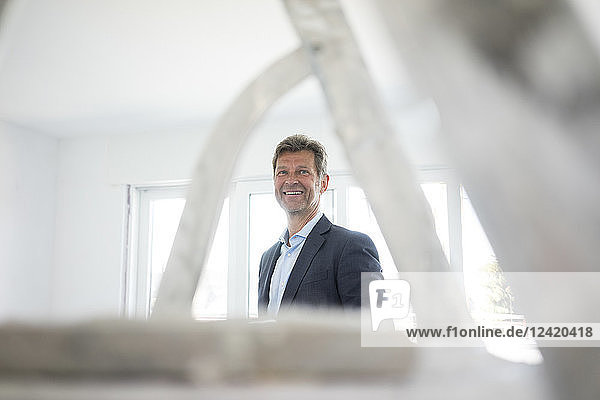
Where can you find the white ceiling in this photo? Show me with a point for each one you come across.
(73, 67)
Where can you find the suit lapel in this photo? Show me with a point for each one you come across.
(313, 243)
(265, 283)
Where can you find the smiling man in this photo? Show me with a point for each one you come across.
(314, 263)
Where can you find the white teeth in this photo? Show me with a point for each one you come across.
(292, 192)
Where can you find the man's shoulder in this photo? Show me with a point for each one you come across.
(325, 226)
(353, 242)
(346, 234)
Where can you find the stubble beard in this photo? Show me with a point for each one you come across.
(303, 209)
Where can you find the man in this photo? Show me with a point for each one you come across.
(314, 263)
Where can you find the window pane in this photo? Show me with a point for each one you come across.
(489, 296)
(267, 221)
(164, 219)
(437, 197)
(362, 219)
(481, 270)
(210, 300)
(477, 251)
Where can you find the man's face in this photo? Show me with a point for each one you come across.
(297, 185)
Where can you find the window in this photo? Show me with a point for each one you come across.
(361, 218)
(251, 222)
(157, 214)
(488, 294)
(477, 251)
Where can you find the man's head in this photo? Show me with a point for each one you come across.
(299, 174)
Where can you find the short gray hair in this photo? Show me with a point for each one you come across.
(299, 142)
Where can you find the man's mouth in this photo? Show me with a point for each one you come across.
(293, 193)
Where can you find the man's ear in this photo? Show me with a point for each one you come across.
(324, 183)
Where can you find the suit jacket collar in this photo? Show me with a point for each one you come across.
(311, 246)
(271, 260)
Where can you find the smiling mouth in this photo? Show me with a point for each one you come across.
(293, 193)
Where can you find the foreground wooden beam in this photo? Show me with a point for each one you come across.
(518, 89)
(311, 346)
(303, 356)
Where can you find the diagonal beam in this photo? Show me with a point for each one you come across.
(378, 162)
(518, 87)
(211, 178)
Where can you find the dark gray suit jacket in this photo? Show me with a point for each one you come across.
(327, 272)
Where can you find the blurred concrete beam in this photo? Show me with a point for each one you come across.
(517, 84)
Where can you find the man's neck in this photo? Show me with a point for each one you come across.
(296, 223)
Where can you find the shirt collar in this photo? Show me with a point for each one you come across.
(305, 229)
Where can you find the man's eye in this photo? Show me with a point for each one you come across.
(304, 172)
(282, 173)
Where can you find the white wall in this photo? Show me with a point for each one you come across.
(91, 211)
(27, 205)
